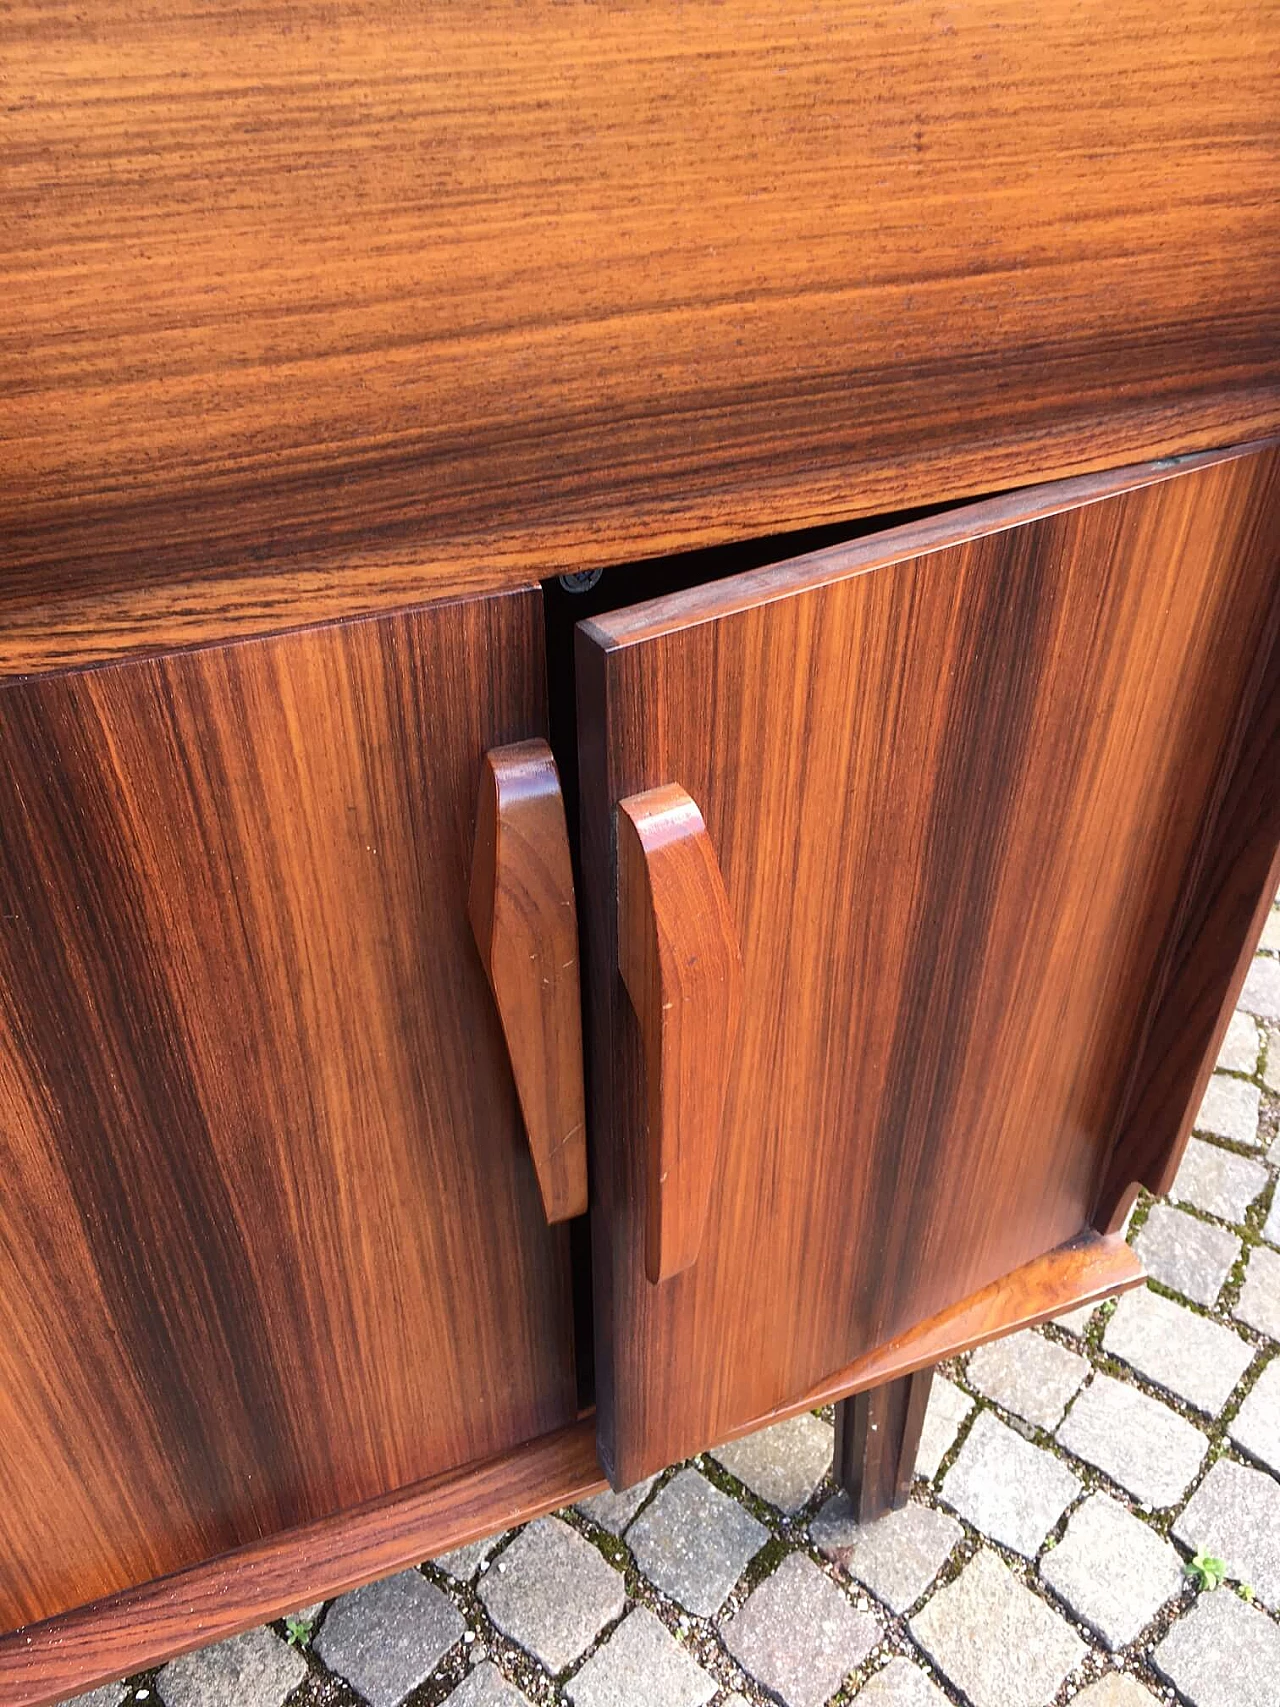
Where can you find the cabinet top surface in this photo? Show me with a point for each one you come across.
(443, 299)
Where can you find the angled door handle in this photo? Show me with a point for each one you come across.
(679, 958)
(526, 928)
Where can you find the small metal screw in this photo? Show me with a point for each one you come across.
(581, 580)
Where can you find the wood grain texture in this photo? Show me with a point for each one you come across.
(82, 615)
(272, 1242)
(144, 1626)
(1084, 1270)
(582, 282)
(956, 800)
(1233, 874)
(526, 927)
(877, 1437)
(678, 956)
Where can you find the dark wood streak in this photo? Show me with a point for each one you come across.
(916, 761)
(999, 654)
(181, 1322)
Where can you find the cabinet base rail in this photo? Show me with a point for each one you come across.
(207, 1602)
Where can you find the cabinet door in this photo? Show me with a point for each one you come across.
(271, 1241)
(956, 786)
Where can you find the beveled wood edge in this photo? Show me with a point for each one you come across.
(709, 601)
(207, 1602)
(144, 1626)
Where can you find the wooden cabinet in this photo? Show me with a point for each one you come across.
(917, 875)
(272, 1243)
(918, 851)
(962, 792)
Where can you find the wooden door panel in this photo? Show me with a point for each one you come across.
(956, 781)
(272, 1242)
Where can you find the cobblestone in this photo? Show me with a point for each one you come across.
(1006, 1487)
(463, 1562)
(1230, 1109)
(388, 1637)
(1116, 1689)
(995, 1640)
(1261, 993)
(798, 1635)
(1239, 1052)
(1235, 1516)
(253, 1670)
(1143, 1445)
(900, 1684)
(947, 1409)
(1224, 1654)
(896, 1557)
(485, 1686)
(1187, 1255)
(1194, 1359)
(641, 1662)
(695, 1542)
(1218, 1181)
(1029, 1375)
(783, 1464)
(1256, 1429)
(1259, 1303)
(615, 1511)
(1112, 1570)
(1076, 1322)
(107, 1695)
(552, 1592)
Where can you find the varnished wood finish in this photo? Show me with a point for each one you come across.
(76, 617)
(272, 1243)
(1234, 873)
(266, 1579)
(877, 1436)
(209, 1601)
(1083, 1271)
(679, 959)
(570, 283)
(958, 794)
(526, 928)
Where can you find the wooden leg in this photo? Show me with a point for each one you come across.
(877, 1433)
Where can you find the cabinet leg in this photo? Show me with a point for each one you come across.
(877, 1433)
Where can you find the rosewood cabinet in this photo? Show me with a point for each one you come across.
(272, 1239)
(639, 744)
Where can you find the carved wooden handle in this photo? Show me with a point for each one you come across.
(679, 958)
(522, 913)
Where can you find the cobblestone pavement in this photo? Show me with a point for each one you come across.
(1066, 1478)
